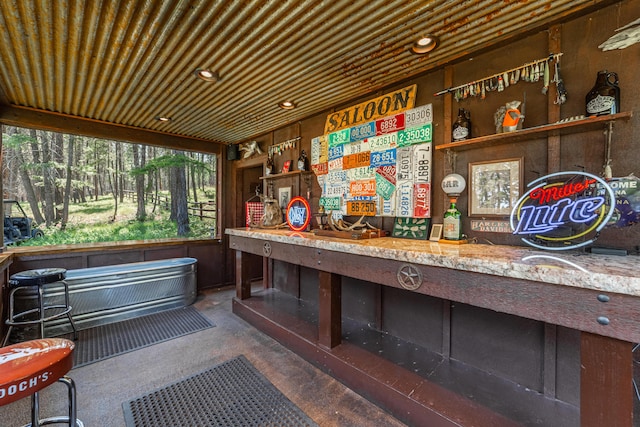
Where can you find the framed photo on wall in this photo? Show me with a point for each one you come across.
(494, 187)
(284, 196)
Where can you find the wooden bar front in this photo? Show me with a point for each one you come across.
(605, 393)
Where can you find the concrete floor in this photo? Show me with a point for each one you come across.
(104, 386)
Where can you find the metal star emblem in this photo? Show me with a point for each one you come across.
(266, 249)
(409, 277)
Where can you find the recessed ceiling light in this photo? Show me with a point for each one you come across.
(206, 75)
(287, 105)
(425, 44)
(163, 119)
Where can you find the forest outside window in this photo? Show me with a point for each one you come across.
(81, 189)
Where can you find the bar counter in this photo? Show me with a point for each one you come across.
(596, 295)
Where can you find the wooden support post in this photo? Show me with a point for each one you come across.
(553, 110)
(606, 372)
(266, 272)
(243, 284)
(330, 309)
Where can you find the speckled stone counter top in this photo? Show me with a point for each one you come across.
(618, 274)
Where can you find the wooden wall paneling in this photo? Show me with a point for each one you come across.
(550, 360)
(553, 109)
(165, 253)
(606, 397)
(446, 328)
(447, 120)
(210, 262)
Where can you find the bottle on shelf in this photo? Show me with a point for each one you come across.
(269, 169)
(461, 128)
(303, 163)
(452, 222)
(604, 97)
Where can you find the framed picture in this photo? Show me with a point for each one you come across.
(436, 233)
(494, 187)
(284, 196)
(411, 228)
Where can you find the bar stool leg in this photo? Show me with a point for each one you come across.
(35, 410)
(71, 419)
(42, 312)
(6, 337)
(66, 302)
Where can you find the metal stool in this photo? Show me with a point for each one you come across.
(28, 367)
(38, 279)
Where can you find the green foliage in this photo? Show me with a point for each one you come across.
(169, 161)
(89, 223)
(16, 140)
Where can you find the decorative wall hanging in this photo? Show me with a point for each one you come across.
(625, 37)
(534, 71)
(289, 144)
(383, 106)
(249, 149)
(382, 167)
(412, 228)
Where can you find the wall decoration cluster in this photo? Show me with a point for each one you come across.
(381, 167)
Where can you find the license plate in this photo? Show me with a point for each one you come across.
(363, 188)
(390, 124)
(383, 158)
(339, 137)
(360, 208)
(361, 132)
(356, 160)
(418, 116)
(416, 135)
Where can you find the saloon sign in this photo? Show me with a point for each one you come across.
(382, 106)
(563, 210)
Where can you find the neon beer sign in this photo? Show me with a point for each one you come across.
(298, 214)
(563, 210)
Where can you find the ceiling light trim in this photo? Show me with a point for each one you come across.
(207, 75)
(425, 44)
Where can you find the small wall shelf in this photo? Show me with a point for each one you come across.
(286, 174)
(564, 128)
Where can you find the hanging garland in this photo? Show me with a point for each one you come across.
(533, 71)
(283, 146)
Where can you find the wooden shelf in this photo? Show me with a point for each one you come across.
(287, 174)
(564, 128)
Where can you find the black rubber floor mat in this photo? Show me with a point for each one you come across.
(101, 342)
(232, 393)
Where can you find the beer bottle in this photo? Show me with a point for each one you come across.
(452, 222)
(461, 128)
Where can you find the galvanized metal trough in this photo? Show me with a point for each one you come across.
(101, 295)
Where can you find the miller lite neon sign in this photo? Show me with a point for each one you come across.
(563, 210)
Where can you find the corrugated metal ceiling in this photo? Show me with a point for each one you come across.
(129, 62)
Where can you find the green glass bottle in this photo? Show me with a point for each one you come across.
(452, 222)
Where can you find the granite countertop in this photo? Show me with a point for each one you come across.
(606, 273)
